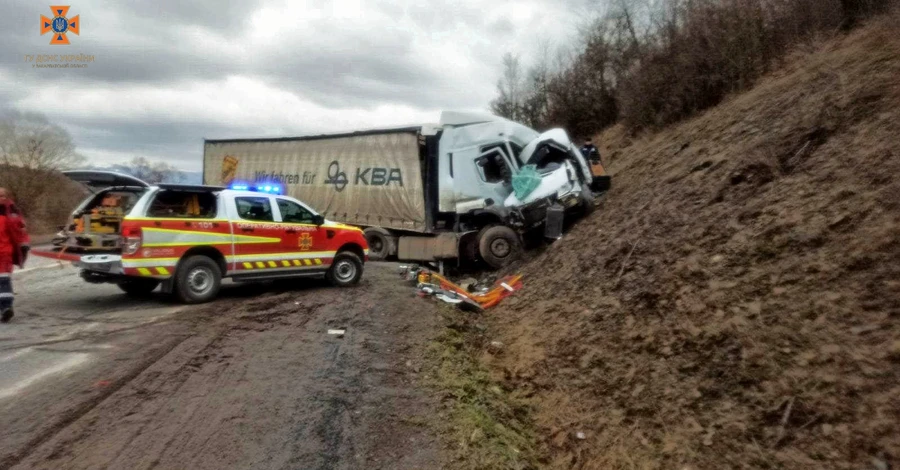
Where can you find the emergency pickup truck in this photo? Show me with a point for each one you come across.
(188, 238)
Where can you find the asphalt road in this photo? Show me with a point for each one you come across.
(90, 378)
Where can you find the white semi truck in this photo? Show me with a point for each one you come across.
(424, 193)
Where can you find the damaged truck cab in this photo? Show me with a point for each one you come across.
(478, 158)
(424, 193)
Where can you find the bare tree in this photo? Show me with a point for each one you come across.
(30, 140)
(153, 173)
(510, 88)
(32, 150)
(536, 103)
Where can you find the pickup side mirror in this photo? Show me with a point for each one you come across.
(318, 219)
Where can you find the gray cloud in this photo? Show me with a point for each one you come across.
(156, 86)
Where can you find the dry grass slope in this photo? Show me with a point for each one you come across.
(46, 197)
(735, 302)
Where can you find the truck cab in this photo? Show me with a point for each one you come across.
(478, 156)
(188, 238)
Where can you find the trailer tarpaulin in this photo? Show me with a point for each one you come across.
(365, 179)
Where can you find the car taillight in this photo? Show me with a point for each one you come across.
(132, 241)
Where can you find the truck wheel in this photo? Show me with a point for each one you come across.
(346, 270)
(499, 245)
(197, 280)
(138, 287)
(381, 243)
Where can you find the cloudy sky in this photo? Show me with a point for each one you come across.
(169, 73)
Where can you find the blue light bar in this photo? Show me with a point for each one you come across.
(265, 188)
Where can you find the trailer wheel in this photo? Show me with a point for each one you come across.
(138, 287)
(381, 243)
(499, 245)
(197, 280)
(346, 270)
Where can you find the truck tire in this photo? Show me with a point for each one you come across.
(197, 280)
(381, 243)
(138, 287)
(346, 270)
(499, 245)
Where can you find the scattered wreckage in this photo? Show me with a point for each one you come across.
(430, 283)
(465, 189)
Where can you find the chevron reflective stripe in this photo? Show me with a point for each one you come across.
(283, 264)
(149, 262)
(157, 271)
(160, 237)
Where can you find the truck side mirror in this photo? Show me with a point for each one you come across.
(318, 219)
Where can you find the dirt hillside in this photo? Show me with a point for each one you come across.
(735, 301)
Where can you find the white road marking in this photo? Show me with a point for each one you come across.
(73, 360)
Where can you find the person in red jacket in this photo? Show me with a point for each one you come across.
(13, 250)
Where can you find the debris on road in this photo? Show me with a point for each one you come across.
(432, 284)
(339, 332)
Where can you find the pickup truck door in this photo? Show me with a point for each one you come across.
(257, 238)
(302, 236)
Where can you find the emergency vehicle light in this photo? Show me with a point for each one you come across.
(267, 188)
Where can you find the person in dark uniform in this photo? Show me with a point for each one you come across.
(590, 152)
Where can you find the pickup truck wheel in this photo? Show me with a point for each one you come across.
(499, 245)
(346, 270)
(197, 280)
(138, 287)
(381, 243)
